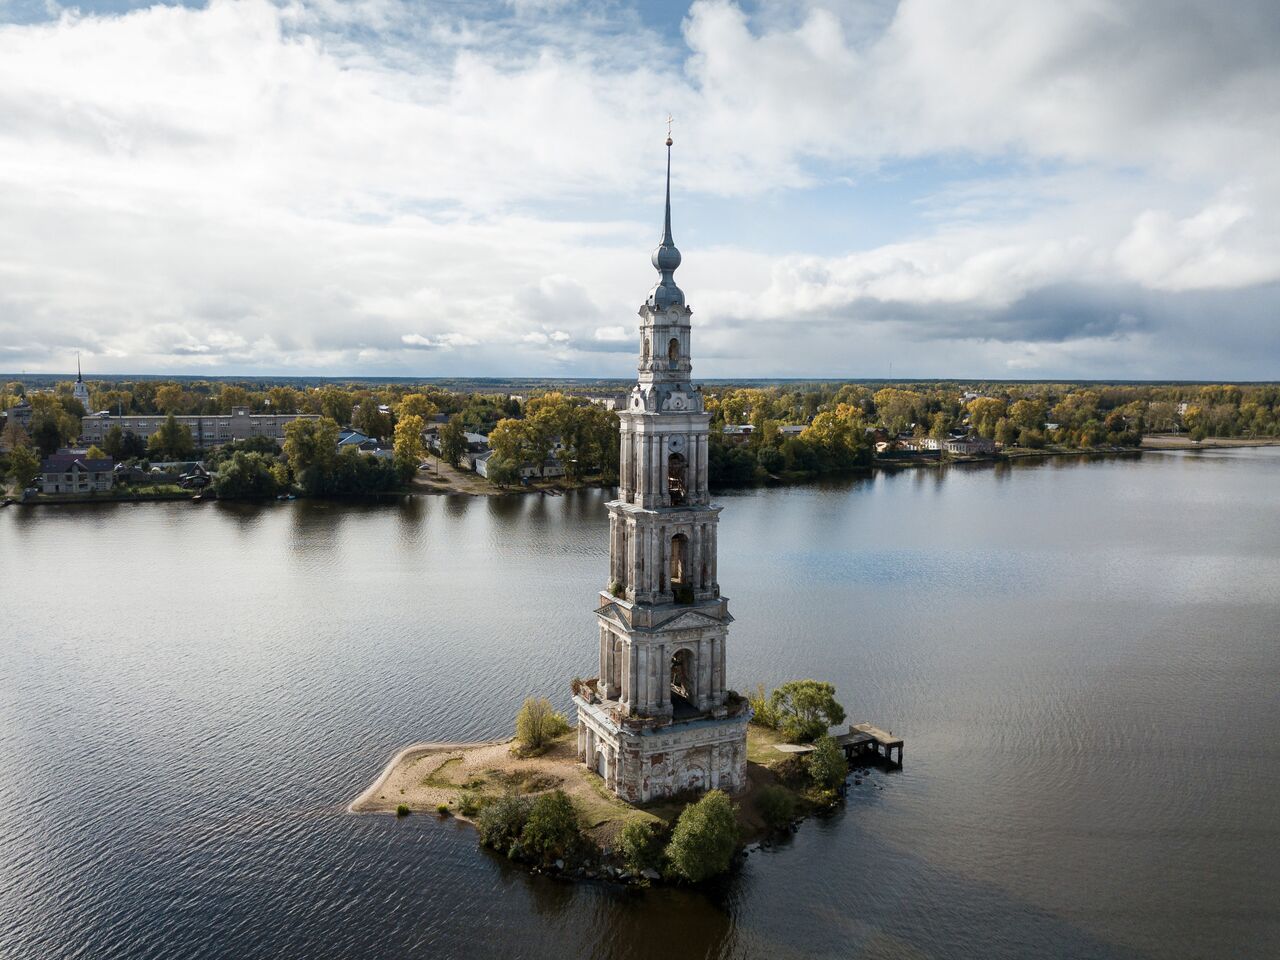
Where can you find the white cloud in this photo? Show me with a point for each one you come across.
(249, 186)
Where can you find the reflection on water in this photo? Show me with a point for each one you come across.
(1082, 656)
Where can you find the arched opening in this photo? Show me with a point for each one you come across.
(673, 351)
(676, 471)
(681, 575)
(684, 691)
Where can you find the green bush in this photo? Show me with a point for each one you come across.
(537, 724)
(469, 803)
(827, 767)
(502, 821)
(402, 810)
(762, 712)
(777, 805)
(704, 839)
(805, 709)
(637, 842)
(551, 830)
(442, 809)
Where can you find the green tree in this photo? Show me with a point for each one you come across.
(172, 441)
(311, 448)
(246, 476)
(417, 405)
(1028, 413)
(336, 405)
(704, 839)
(502, 821)
(409, 448)
(453, 440)
(827, 766)
(551, 830)
(95, 453)
(371, 419)
(985, 413)
(638, 844)
(283, 400)
(806, 709)
(898, 408)
(24, 464)
(1006, 432)
(537, 724)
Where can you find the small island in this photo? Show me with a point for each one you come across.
(501, 786)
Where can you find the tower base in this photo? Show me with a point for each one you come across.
(647, 759)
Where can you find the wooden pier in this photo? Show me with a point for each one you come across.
(863, 739)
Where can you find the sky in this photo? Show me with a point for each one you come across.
(1086, 189)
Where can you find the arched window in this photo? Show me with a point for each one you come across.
(673, 351)
(676, 470)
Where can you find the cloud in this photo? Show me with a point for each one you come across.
(258, 187)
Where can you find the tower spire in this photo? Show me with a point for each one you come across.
(666, 258)
(79, 376)
(666, 232)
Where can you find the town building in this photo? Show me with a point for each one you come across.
(207, 430)
(76, 473)
(659, 719)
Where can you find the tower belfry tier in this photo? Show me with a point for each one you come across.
(659, 719)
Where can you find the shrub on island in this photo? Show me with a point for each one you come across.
(777, 805)
(639, 846)
(827, 767)
(705, 838)
(551, 830)
(501, 822)
(537, 725)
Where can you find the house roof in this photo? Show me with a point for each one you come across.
(62, 462)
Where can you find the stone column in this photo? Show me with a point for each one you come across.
(642, 671)
(664, 479)
(717, 643)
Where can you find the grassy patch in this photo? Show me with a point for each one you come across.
(438, 777)
(760, 743)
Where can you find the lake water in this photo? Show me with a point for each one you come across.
(1084, 658)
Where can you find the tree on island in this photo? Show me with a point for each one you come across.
(802, 710)
(704, 839)
(551, 830)
(538, 724)
(826, 765)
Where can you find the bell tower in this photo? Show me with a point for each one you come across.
(659, 718)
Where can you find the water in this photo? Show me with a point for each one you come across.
(1082, 657)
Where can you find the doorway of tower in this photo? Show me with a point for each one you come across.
(684, 672)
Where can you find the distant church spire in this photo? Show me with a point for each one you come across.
(79, 375)
(667, 258)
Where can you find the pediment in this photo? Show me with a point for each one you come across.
(689, 620)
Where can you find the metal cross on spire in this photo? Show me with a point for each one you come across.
(670, 121)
